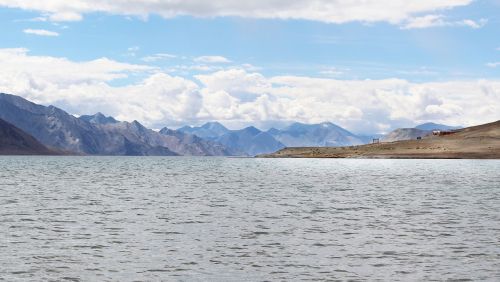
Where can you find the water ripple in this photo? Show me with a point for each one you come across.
(223, 219)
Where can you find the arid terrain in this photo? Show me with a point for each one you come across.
(477, 142)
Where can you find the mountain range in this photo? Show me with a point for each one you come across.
(99, 134)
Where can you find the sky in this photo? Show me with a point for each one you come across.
(367, 65)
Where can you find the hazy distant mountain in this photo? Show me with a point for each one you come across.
(250, 141)
(401, 134)
(193, 145)
(96, 134)
(315, 135)
(436, 126)
(14, 141)
(422, 130)
(209, 131)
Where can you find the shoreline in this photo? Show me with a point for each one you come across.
(478, 142)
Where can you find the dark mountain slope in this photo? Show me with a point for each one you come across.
(14, 141)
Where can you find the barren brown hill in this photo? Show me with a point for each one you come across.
(477, 142)
(14, 141)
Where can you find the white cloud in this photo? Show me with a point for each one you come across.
(51, 72)
(424, 21)
(361, 105)
(473, 24)
(493, 65)
(337, 11)
(212, 60)
(158, 57)
(235, 81)
(440, 21)
(241, 97)
(41, 32)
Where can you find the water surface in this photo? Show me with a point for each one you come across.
(228, 219)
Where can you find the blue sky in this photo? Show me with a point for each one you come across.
(459, 42)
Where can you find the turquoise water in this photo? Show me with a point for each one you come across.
(229, 219)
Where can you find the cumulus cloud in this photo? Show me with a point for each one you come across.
(41, 32)
(241, 97)
(212, 60)
(440, 21)
(329, 11)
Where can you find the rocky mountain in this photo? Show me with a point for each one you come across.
(14, 141)
(435, 126)
(315, 135)
(97, 134)
(405, 134)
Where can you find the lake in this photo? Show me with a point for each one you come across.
(237, 219)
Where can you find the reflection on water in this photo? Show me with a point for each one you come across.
(121, 218)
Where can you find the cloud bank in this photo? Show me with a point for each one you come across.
(328, 11)
(242, 97)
